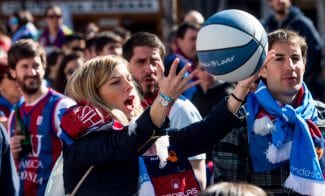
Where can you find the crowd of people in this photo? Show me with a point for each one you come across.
(115, 112)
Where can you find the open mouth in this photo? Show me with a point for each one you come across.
(129, 102)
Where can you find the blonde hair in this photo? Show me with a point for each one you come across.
(86, 80)
(233, 189)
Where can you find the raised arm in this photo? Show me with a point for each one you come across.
(243, 87)
(171, 87)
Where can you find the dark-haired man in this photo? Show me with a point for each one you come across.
(143, 51)
(34, 125)
(186, 35)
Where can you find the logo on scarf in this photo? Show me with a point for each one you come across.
(175, 184)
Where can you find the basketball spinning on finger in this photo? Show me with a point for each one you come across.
(232, 45)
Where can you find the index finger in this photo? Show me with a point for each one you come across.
(160, 70)
(20, 137)
(173, 67)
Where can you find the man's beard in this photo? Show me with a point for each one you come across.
(147, 90)
(281, 12)
(150, 90)
(30, 88)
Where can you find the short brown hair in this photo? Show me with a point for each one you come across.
(288, 36)
(25, 48)
(143, 39)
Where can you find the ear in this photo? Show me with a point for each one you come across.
(177, 40)
(263, 71)
(13, 73)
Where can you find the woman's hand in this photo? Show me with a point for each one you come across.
(175, 84)
(171, 87)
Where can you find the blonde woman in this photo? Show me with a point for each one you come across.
(107, 131)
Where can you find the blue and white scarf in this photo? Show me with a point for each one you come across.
(289, 139)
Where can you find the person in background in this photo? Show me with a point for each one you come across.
(108, 43)
(90, 48)
(21, 26)
(74, 43)
(281, 132)
(10, 93)
(5, 43)
(124, 33)
(171, 46)
(208, 90)
(34, 124)
(69, 63)
(55, 32)
(186, 36)
(53, 60)
(287, 16)
(142, 51)
(9, 181)
(194, 16)
(91, 30)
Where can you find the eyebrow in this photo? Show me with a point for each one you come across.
(140, 59)
(279, 55)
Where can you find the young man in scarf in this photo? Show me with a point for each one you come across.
(280, 145)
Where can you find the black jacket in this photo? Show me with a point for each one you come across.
(114, 154)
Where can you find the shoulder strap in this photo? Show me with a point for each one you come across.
(76, 188)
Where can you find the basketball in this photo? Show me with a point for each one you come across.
(232, 45)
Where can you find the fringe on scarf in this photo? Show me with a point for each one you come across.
(305, 186)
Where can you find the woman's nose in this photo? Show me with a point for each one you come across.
(128, 85)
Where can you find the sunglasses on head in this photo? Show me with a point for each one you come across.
(54, 16)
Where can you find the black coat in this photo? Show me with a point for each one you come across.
(114, 153)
